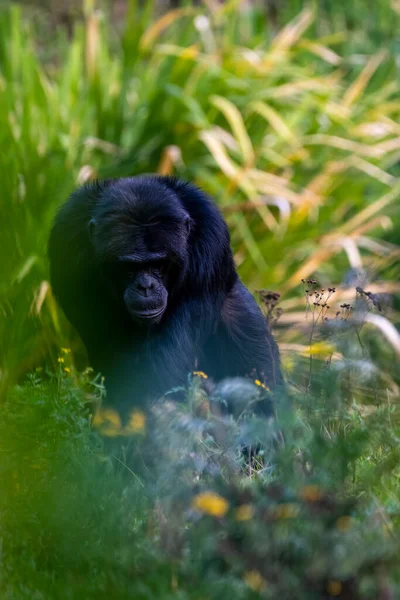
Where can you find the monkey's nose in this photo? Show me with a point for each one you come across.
(145, 285)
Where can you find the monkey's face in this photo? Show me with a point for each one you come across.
(143, 287)
(142, 249)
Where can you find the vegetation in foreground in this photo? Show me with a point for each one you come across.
(183, 503)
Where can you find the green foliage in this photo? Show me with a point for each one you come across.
(183, 512)
(69, 503)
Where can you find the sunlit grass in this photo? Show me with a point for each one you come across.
(297, 144)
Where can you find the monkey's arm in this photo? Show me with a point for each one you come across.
(250, 343)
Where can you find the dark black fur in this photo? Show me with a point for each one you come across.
(209, 321)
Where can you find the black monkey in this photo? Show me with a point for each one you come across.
(143, 269)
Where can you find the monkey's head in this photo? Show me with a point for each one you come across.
(139, 232)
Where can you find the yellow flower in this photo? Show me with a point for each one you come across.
(210, 504)
(66, 350)
(60, 359)
(67, 370)
(108, 421)
(320, 348)
(110, 415)
(289, 510)
(311, 493)
(334, 588)
(200, 374)
(137, 423)
(244, 512)
(260, 384)
(255, 581)
(343, 524)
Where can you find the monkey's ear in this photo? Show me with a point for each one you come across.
(91, 226)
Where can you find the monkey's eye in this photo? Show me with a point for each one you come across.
(157, 266)
(120, 270)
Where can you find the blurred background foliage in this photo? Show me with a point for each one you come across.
(288, 116)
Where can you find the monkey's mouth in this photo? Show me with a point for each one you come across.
(149, 314)
(146, 310)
